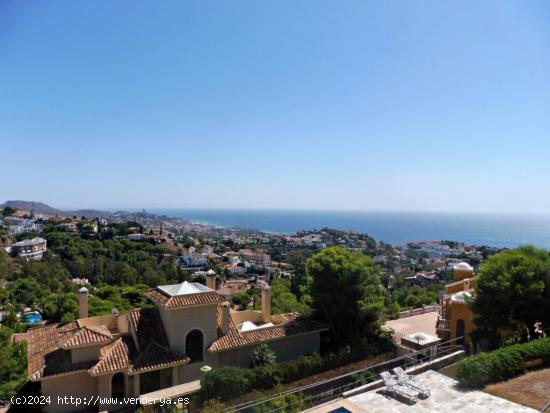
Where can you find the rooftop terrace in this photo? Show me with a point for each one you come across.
(447, 397)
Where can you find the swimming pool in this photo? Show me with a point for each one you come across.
(33, 317)
(340, 410)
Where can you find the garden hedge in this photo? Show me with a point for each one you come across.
(502, 364)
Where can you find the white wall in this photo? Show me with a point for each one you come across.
(76, 385)
(178, 323)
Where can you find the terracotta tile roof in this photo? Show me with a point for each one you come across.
(294, 324)
(155, 357)
(148, 327)
(115, 356)
(86, 336)
(122, 355)
(49, 348)
(180, 301)
(45, 357)
(150, 352)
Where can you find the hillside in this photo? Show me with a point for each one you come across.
(42, 208)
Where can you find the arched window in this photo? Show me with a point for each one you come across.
(194, 345)
(117, 386)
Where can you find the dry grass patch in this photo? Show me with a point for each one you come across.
(531, 389)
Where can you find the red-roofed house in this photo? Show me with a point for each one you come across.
(146, 350)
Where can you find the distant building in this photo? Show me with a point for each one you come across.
(190, 258)
(68, 227)
(232, 257)
(425, 278)
(136, 237)
(29, 249)
(232, 287)
(256, 257)
(436, 249)
(455, 320)
(20, 226)
(235, 269)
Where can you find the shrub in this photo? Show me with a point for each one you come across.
(263, 356)
(213, 406)
(290, 403)
(266, 377)
(363, 377)
(301, 367)
(226, 383)
(505, 363)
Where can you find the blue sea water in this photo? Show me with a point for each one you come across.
(499, 230)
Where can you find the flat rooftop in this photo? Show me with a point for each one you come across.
(447, 397)
(421, 323)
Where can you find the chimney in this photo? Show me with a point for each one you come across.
(83, 302)
(211, 279)
(266, 304)
(226, 316)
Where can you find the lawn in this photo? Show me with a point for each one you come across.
(531, 389)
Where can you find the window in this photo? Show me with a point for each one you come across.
(460, 331)
(194, 345)
(150, 381)
(117, 386)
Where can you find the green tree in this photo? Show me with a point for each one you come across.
(7, 211)
(283, 301)
(241, 299)
(346, 295)
(262, 356)
(512, 292)
(13, 362)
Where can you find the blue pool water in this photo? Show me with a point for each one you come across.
(340, 410)
(33, 317)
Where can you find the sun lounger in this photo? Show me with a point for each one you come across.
(389, 381)
(410, 381)
(392, 386)
(406, 392)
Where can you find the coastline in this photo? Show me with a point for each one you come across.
(495, 230)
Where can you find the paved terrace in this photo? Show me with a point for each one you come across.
(421, 323)
(446, 397)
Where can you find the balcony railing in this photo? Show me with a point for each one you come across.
(442, 324)
(317, 393)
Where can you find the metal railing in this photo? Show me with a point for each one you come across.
(442, 324)
(418, 311)
(317, 393)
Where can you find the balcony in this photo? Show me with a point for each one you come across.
(442, 324)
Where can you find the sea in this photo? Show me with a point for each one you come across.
(497, 230)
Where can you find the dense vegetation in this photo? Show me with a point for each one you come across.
(416, 296)
(512, 293)
(13, 362)
(502, 364)
(265, 373)
(120, 271)
(346, 295)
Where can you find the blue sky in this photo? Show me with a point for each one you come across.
(370, 105)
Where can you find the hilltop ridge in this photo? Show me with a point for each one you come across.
(42, 208)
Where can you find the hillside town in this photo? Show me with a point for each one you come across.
(208, 298)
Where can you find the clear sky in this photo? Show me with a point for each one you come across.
(372, 105)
